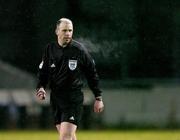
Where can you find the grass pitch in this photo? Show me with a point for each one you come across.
(93, 135)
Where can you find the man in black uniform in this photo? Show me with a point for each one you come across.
(63, 65)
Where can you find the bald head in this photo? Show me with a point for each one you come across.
(64, 31)
(64, 20)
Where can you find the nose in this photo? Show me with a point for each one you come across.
(67, 33)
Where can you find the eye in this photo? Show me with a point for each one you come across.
(67, 30)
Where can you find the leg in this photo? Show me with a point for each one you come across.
(67, 131)
(58, 126)
(74, 137)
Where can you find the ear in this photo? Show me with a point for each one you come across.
(56, 31)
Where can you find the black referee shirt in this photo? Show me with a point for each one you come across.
(64, 68)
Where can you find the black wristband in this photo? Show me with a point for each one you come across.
(99, 98)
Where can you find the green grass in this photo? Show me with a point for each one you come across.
(93, 135)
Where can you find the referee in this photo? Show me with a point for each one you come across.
(63, 65)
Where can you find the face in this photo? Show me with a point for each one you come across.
(64, 32)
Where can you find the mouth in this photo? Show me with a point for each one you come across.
(67, 38)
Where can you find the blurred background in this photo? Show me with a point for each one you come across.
(135, 44)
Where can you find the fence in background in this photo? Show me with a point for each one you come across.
(158, 106)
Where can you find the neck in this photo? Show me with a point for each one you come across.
(61, 44)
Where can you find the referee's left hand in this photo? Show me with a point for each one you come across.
(98, 106)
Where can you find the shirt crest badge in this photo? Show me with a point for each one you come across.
(72, 64)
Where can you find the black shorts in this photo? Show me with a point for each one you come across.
(71, 115)
(66, 111)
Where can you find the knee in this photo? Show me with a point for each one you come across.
(66, 136)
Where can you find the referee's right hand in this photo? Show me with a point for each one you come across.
(41, 94)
